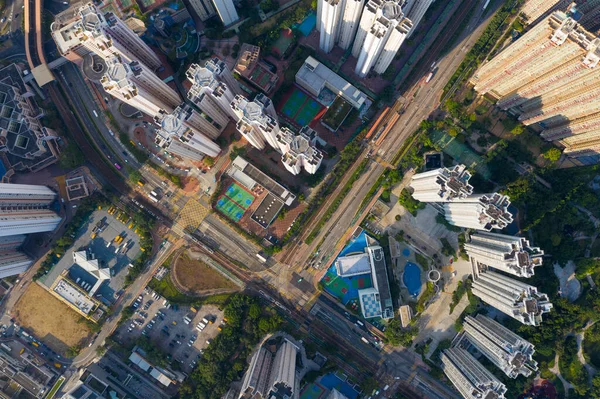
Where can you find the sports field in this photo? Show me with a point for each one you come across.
(312, 391)
(230, 209)
(240, 196)
(300, 108)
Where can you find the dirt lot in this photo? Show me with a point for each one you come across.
(49, 319)
(196, 276)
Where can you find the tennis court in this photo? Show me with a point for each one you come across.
(293, 104)
(240, 196)
(312, 391)
(230, 209)
(308, 112)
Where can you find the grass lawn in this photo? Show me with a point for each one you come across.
(166, 288)
(52, 321)
(55, 388)
(197, 276)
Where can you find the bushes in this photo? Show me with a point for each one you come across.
(224, 360)
(140, 155)
(163, 173)
(396, 335)
(408, 202)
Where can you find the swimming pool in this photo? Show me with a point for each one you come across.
(308, 24)
(412, 278)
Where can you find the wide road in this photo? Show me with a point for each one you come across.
(422, 100)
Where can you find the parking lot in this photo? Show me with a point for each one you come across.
(164, 324)
(104, 249)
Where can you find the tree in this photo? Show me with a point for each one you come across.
(518, 130)
(453, 131)
(135, 176)
(387, 94)
(71, 156)
(553, 154)
(396, 335)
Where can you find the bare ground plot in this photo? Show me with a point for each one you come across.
(196, 276)
(49, 319)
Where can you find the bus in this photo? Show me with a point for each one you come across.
(117, 166)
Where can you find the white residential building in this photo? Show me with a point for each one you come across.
(350, 20)
(509, 254)
(204, 8)
(331, 21)
(226, 10)
(10, 243)
(442, 185)
(256, 120)
(181, 133)
(24, 210)
(27, 221)
(469, 376)
(271, 372)
(381, 32)
(13, 263)
(25, 195)
(139, 87)
(299, 151)
(415, 10)
(482, 212)
(509, 352)
(213, 89)
(518, 300)
(90, 30)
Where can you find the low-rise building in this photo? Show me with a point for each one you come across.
(251, 68)
(314, 77)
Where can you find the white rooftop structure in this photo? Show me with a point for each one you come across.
(250, 176)
(370, 304)
(91, 265)
(139, 361)
(160, 376)
(442, 185)
(314, 77)
(299, 151)
(74, 296)
(13, 263)
(481, 212)
(518, 300)
(181, 133)
(509, 352)
(509, 254)
(257, 121)
(469, 376)
(353, 265)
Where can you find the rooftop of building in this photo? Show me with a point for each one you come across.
(74, 296)
(250, 176)
(352, 265)
(317, 75)
(268, 210)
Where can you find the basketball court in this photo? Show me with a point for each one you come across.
(240, 196)
(229, 208)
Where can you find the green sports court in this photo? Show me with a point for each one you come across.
(229, 208)
(240, 196)
(300, 108)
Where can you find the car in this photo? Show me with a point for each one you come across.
(2, 20)
(187, 320)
